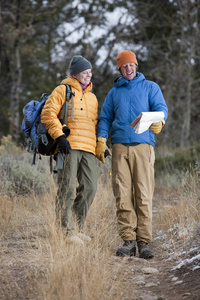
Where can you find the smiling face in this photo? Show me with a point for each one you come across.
(84, 77)
(128, 71)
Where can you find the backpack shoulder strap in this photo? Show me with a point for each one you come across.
(68, 96)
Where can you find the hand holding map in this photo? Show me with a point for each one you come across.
(145, 119)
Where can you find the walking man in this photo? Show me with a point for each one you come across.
(132, 154)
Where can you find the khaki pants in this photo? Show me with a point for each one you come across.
(71, 199)
(133, 186)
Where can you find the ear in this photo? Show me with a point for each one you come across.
(74, 76)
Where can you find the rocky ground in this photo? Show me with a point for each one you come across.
(168, 276)
(158, 278)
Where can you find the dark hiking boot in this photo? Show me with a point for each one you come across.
(128, 249)
(144, 251)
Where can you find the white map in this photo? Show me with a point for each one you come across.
(145, 119)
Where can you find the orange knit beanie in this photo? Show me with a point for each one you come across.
(126, 57)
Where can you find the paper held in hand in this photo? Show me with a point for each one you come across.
(145, 119)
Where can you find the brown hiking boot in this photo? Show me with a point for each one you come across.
(144, 251)
(128, 249)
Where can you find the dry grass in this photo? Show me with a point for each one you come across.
(82, 272)
(37, 262)
(178, 216)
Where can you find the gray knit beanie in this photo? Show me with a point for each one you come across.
(78, 64)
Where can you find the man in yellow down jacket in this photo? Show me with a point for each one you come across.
(78, 148)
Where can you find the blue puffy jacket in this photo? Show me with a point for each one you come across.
(124, 102)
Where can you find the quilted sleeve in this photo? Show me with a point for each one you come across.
(51, 109)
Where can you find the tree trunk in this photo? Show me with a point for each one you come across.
(185, 132)
(15, 93)
(16, 83)
(189, 40)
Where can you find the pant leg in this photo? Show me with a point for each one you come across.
(143, 178)
(123, 192)
(87, 185)
(66, 189)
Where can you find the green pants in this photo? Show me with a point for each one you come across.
(77, 185)
(133, 186)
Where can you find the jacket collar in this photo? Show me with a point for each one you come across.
(119, 81)
(74, 83)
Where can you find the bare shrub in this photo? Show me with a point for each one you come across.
(18, 175)
(178, 218)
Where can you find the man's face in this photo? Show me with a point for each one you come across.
(128, 71)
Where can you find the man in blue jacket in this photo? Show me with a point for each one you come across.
(133, 154)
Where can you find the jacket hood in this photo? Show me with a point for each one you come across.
(74, 83)
(119, 81)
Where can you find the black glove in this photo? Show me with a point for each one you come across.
(63, 145)
(66, 130)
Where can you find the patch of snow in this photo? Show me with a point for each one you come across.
(195, 268)
(187, 262)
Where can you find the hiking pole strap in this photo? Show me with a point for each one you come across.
(34, 156)
(51, 164)
(44, 139)
(59, 161)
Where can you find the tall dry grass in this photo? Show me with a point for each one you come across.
(40, 262)
(36, 260)
(178, 218)
(82, 271)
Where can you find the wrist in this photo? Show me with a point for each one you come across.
(101, 139)
(61, 137)
(163, 122)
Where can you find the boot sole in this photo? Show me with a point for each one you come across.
(147, 254)
(124, 252)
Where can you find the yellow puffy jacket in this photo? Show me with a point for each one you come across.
(82, 119)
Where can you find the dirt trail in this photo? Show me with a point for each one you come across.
(152, 279)
(159, 278)
(155, 279)
(142, 279)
